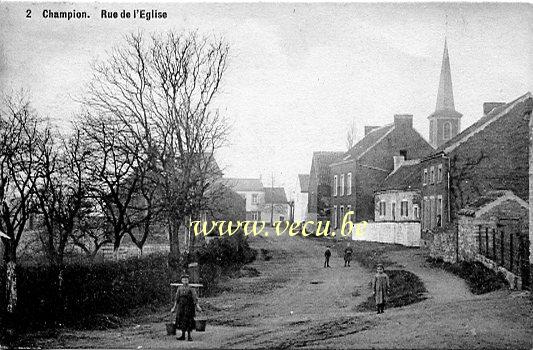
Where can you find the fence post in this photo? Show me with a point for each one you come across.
(511, 251)
(502, 256)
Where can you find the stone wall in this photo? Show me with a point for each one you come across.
(443, 244)
(405, 233)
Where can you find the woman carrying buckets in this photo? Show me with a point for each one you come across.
(185, 306)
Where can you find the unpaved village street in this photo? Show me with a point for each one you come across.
(296, 303)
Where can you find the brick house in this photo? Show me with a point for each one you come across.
(362, 169)
(398, 197)
(319, 190)
(491, 154)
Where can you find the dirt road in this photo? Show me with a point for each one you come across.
(295, 302)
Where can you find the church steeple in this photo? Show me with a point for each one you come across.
(445, 121)
(445, 93)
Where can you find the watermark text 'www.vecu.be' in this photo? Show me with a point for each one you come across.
(255, 228)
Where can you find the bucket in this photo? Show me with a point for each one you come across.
(171, 328)
(200, 325)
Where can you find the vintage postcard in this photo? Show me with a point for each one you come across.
(266, 175)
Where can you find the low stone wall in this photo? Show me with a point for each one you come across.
(404, 233)
(515, 282)
(443, 245)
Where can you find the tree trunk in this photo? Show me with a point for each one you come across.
(174, 255)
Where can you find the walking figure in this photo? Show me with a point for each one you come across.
(380, 287)
(348, 255)
(327, 255)
(185, 307)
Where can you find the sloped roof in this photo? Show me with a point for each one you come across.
(275, 195)
(489, 200)
(487, 119)
(370, 140)
(303, 179)
(244, 185)
(322, 160)
(406, 177)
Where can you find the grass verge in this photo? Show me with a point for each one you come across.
(479, 278)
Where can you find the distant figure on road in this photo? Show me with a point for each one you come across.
(327, 255)
(185, 307)
(348, 252)
(380, 287)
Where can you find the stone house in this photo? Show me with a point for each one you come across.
(319, 190)
(398, 197)
(362, 169)
(300, 202)
(491, 154)
(493, 230)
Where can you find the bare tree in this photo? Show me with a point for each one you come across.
(61, 188)
(116, 174)
(19, 160)
(162, 90)
(351, 135)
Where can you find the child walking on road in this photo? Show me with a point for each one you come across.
(327, 255)
(380, 287)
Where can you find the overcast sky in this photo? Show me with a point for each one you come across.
(298, 74)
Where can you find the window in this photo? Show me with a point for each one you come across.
(335, 184)
(439, 173)
(404, 209)
(342, 214)
(393, 210)
(447, 131)
(432, 175)
(255, 215)
(254, 198)
(349, 184)
(342, 184)
(334, 216)
(416, 213)
(348, 208)
(382, 208)
(425, 177)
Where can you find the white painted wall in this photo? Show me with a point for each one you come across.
(300, 206)
(404, 233)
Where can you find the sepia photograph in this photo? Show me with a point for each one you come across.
(251, 175)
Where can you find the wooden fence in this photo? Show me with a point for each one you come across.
(507, 246)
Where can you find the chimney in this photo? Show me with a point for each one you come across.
(398, 161)
(489, 106)
(403, 121)
(369, 128)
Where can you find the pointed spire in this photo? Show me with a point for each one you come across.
(445, 93)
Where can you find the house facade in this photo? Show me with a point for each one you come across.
(252, 192)
(301, 198)
(355, 178)
(319, 190)
(491, 154)
(398, 198)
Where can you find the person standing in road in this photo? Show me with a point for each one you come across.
(327, 255)
(185, 307)
(380, 287)
(348, 252)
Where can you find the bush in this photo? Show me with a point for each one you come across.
(96, 294)
(479, 278)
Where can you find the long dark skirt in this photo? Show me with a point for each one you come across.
(185, 313)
